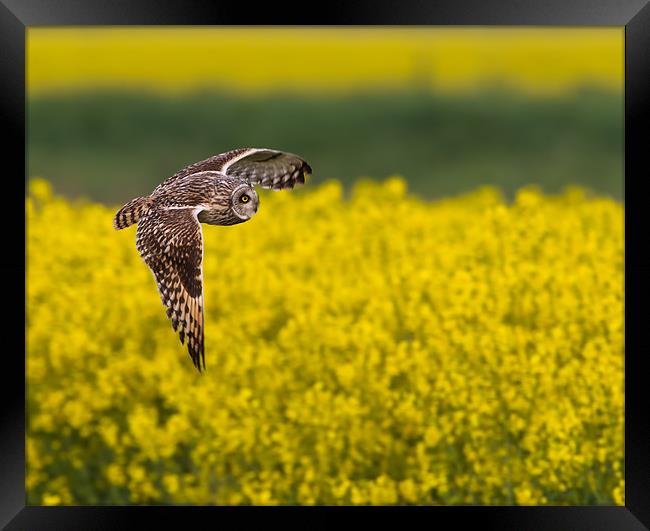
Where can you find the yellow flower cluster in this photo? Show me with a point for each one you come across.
(370, 349)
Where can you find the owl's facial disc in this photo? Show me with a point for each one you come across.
(244, 201)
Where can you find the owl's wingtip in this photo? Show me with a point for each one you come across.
(198, 358)
(199, 367)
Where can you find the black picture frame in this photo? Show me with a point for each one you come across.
(17, 15)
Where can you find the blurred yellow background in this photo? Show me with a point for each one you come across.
(323, 59)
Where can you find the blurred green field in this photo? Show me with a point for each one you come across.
(112, 145)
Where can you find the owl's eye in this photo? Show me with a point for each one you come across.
(245, 198)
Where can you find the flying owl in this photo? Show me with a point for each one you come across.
(217, 191)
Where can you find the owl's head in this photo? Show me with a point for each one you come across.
(244, 201)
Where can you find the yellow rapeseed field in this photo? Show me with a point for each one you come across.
(537, 60)
(375, 349)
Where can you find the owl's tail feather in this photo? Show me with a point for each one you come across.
(131, 212)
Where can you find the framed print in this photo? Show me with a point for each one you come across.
(366, 265)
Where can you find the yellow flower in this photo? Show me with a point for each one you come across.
(619, 493)
(171, 483)
(408, 489)
(115, 474)
(51, 499)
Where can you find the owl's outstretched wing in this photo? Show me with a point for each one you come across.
(267, 167)
(170, 242)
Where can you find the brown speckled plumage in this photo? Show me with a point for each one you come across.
(217, 191)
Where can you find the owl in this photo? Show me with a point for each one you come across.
(219, 190)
